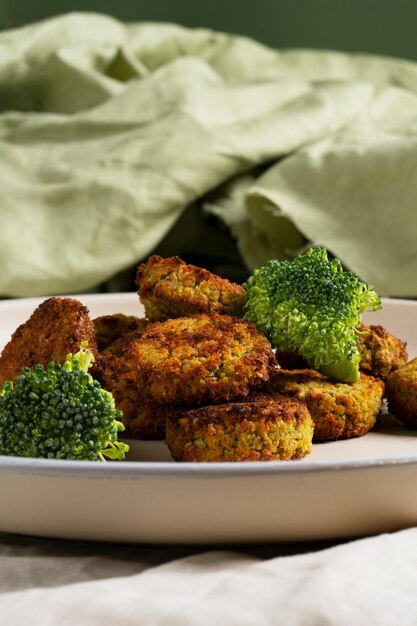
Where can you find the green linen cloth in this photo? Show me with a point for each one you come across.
(109, 131)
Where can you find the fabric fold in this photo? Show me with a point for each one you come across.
(110, 131)
(360, 582)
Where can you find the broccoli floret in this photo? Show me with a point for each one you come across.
(60, 412)
(310, 305)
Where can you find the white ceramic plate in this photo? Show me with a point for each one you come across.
(343, 489)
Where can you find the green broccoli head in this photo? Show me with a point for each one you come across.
(312, 306)
(60, 412)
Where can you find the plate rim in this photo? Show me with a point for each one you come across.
(168, 469)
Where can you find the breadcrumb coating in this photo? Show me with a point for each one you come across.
(401, 390)
(142, 418)
(118, 327)
(339, 410)
(261, 428)
(381, 352)
(169, 287)
(56, 328)
(201, 359)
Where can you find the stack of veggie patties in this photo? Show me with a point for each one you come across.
(226, 372)
(195, 370)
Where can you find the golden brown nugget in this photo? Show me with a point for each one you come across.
(169, 287)
(117, 328)
(142, 418)
(401, 391)
(201, 359)
(381, 352)
(339, 410)
(56, 328)
(261, 428)
(148, 422)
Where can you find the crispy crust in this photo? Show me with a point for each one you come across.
(56, 328)
(381, 352)
(114, 333)
(117, 328)
(261, 428)
(142, 419)
(401, 389)
(201, 359)
(169, 287)
(148, 422)
(339, 410)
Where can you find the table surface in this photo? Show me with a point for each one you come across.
(27, 562)
(367, 581)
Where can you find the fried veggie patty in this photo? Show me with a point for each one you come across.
(142, 418)
(118, 327)
(55, 328)
(401, 391)
(201, 359)
(339, 410)
(261, 428)
(169, 287)
(380, 351)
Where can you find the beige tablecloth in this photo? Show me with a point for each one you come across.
(361, 582)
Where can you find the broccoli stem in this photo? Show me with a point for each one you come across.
(343, 371)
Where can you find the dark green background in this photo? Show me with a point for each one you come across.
(386, 27)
